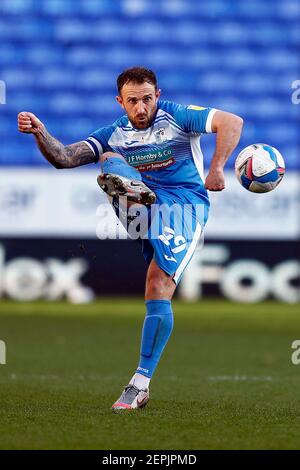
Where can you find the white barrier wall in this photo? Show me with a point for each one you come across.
(51, 203)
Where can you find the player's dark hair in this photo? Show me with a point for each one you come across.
(136, 75)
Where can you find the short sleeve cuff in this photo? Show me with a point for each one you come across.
(209, 119)
(95, 146)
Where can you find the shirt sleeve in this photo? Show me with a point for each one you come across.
(98, 141)
(195, 119)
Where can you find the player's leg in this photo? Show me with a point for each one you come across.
(157, 329)
(158, 323)
(118, 178)
(173, 236)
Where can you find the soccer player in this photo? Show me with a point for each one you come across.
(152, 154)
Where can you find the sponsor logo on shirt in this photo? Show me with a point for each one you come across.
(151, 160)
(131, 142)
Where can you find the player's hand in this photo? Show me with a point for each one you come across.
(215, 180)
(28, 123)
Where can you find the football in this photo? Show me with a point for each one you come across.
(259, 168)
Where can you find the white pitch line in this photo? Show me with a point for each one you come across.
(240, 378)
(103, 378)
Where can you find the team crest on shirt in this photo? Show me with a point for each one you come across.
(160, 135)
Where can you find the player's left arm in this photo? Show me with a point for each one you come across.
(228, 128)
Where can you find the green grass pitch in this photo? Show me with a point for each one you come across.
(226, 380)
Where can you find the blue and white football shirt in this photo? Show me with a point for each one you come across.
(168, 156)
(168, 153)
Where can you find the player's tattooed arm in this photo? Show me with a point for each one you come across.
(59, 155)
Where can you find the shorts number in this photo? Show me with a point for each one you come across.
(179, 241)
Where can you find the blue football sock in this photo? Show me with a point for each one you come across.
(157, 329)
(119, 166)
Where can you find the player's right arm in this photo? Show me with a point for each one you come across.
(59, 155)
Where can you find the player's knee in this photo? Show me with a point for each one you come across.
(158, 283)
(107, 155)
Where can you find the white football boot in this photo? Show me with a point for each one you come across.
(133, 190)
(131, 399)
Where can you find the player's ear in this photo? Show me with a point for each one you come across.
(120, 101)
(158, 93)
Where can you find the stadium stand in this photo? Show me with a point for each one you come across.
(59, 59)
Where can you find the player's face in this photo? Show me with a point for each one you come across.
(139, 102)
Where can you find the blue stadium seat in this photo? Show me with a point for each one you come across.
(96, 79)
(57, 57)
